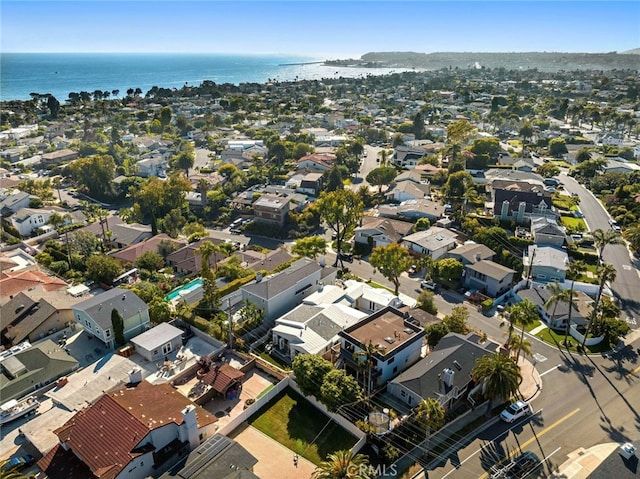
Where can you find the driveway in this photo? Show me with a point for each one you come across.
(274, 460)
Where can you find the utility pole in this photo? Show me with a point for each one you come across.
(230, 321)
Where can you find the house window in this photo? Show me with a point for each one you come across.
(391, 360)
(403, 393)
(395, 370)
(107, 333)
(166, 349)
(349, 347)
(155, 352)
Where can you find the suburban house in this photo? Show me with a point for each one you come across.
(58, 156)
(33, 367)
(157, 342)
(545, 263)
(28, 220)
(381, 231)
(445, 374)
(32, 318)
(119, 233)
(187, 261)
(285, 290)
(556, 316)
(413, 210)
(396, 338)
(14, 201)
(12, 282)
(614, 166)
(94, 315)
(272, 209)
(435, 242)
(366, 298)
(129, 432)
(154, 244)
(409, 185)
(258, 261)
(408, 156)
(471, 252)
(546, 231)
(311, 328)
(317, 161)
(218, 457)
(311, 184)
(153, 164)
(488, 277)
(520, 201)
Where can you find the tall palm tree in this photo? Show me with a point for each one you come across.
(205, 250)
(430, 413)
(522, 345)
(499, 375)
(606, 272)
(523, 313)
(574, 271)
(558, 295)
(344, 464)
(9, 473)
(366, 357)
(632, 235)
(203, 187)
(603, 238)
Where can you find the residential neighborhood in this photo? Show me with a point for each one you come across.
(210, 281)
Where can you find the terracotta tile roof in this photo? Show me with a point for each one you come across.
(220, 378)
(58, 463)
(131, 253)
(11, 283)
(106, 434)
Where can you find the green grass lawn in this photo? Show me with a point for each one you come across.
(380, 286)
(554, 338)
(533, 325)
(577, 224)
(292, 421)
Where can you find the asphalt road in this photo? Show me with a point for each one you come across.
(627, 283)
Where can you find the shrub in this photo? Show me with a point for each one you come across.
(487, 304)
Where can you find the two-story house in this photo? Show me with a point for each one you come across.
(381, 231)
(317, 161)
(408, 156)
(546, 231)
(272, 209)
(95, 315)
(409, 185)
(285, 290)
(131, 432)
(489, 277)
(470, 253)
(397, 341)
(545, 263)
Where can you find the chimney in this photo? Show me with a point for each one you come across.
(258, 277)
(189, 429)
(135, 376)
(478, 257)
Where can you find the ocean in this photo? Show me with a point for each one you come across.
(61, 73)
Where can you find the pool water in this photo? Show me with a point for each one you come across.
(187, 288)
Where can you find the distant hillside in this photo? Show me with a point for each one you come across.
(545, 61)
(635, 51)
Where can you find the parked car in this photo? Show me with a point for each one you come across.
(348, 257)
(426, 284)
(577, 214)
(18, 463)
(515, 411)
(526, 465)
(412, 270)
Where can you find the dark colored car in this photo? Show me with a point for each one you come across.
(348, 257)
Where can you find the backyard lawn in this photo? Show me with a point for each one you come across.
(292, 421)
(550, 336)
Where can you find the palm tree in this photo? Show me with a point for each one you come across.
(632, 235)
(522, 345)
(10, 473)
(430, 413)
(574, 271)
(205, 250)
(203, 187)
(344, 464)
(603, 238)
(366, 357)
(523, 313)
(558, 295)
(500, 377)
(606, 272)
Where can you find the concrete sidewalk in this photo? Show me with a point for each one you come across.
(583, 462)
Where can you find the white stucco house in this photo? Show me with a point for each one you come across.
(435, 242)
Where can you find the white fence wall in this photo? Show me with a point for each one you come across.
(579, 337)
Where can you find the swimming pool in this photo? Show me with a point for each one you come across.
(187, 288)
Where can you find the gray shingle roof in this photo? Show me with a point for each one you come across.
(273, 286)
(99, 307)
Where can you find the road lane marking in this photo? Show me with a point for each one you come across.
(539, 358)
(535, 437)
(550, 370)
(632, 373)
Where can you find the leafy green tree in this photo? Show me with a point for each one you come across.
(381, 176)
(96, 174)
(589, 168)
(460, 132)
(344, 464)
(150, 260)
(310, 371)
(391, 260)
(632, 235)
(147, 291)
(185, 158)
(457, 184)
(421, 225)
(456, 322)
(311, 247)
(430, 415)
(447, 269)
(486, 146)
(583, 154)
(426, 302)
(526, 131)
(165, 117)
(557, 147)
(342, 210)
(339, 388)
(548, 170)
(103, 269)
(159, 311)
(499, 375)
(435, 332)
(333, 181)
(117, 323)
(418, 126)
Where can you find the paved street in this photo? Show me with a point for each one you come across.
(627, 284)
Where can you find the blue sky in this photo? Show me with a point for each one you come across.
(324, 29)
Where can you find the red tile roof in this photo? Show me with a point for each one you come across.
(220, 378)
(12, 283)
(104, 436)
(64, 464)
